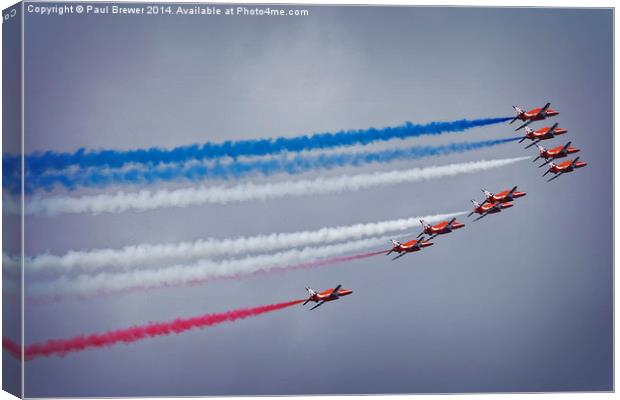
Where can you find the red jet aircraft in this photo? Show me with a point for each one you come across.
(408, 247)
(564, 168)
(440, 228)
(502, 197)
(488, 208)
(537, 114)
(542, 134)
(326, 295)
(554, 153)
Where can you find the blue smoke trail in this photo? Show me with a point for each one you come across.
(240, 169)
(37, 163)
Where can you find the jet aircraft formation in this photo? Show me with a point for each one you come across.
(546, 133)
(493, 203)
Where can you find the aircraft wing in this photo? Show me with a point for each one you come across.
(318, 305)
(524, 125)
(497, 206)
(542, 112)
(545, 163)
(566, 146)
(334, 292)
(451, 222)
(480, 217)
(532, 144)
(514, 189)
(552, 129)
(556, 176)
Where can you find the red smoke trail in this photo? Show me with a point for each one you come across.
(62, 347)
(12, 348)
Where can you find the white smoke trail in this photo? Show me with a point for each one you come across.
(187, 274)
(131, 257)
(147, 200)
(10, 263)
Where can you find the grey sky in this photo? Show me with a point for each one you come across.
(516, 302)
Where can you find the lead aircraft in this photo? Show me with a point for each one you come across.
(326, 295)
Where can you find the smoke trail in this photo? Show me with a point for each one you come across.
(12, 348)
(130, 257)
(302, 265)
(62, 347)
(333, 260)
(199, 272)
(146, 200)
(238, 169)
(11, 264)
(37, 163)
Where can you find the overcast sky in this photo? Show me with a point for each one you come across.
(520, 301)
